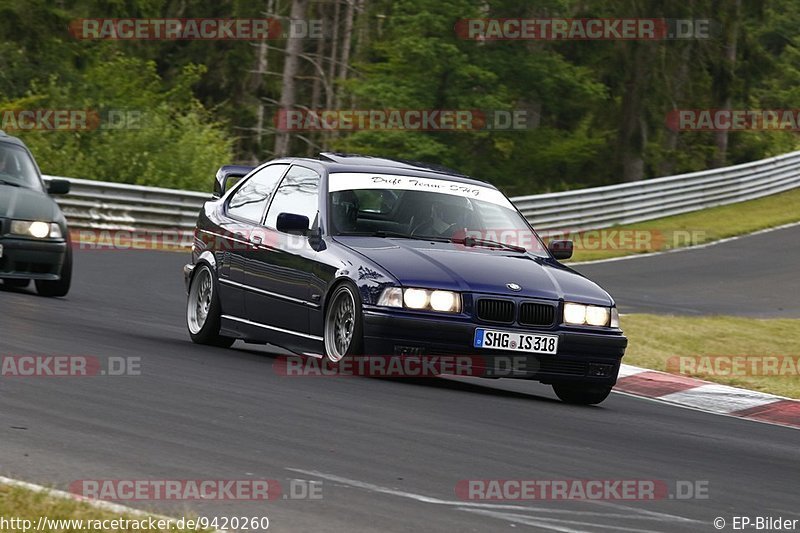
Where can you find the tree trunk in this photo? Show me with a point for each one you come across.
(677, 84)
(291, 65)
(334, 56)
(347, 38)
(633, 127)
(319, 73)
(724, 82)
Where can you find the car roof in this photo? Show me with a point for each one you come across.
(341, 162)
(6, 138)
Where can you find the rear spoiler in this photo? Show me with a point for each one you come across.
(227, 173)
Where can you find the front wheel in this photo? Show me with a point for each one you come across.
(203, 310)
(581, 394)
(59, 287)
(343, 324)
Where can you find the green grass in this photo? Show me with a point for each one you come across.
(26, 504)
(704, 226)
(654, 339)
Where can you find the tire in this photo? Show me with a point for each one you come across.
(203, 310)
(344, 324)
(580, 394)
(15, 283)
(61, 286)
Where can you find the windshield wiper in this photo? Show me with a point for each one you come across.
(12, 183)
(475, 241)
(382, 233)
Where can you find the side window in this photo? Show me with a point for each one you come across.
(297, 194)
(252, 198)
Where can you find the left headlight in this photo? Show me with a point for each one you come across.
(36, 228)
(592, 315)
(421, 299)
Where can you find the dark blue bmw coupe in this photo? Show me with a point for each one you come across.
(347, 256)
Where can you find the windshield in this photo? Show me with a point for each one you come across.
(414, 207)
(17, 167)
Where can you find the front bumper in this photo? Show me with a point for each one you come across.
(31, 259)
(584, 355)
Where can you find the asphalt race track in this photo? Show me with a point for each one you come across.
(754, 276)
(389, 453)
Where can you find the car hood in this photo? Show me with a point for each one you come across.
(27, 204)
(417, 263)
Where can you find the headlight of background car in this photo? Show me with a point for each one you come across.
(37, 229)
(592, 315)
(442, 301)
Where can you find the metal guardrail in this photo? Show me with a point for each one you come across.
(119, 206)
(627, 203)
(116, 206)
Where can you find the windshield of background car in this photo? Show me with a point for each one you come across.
(362, 203)
(17, 167)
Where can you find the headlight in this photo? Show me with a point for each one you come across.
(443, 301)
(415, 298)
(597, 316)
(391, 297)
(593, 315)
(574, 313)
(424, 299)
(36, 228)
(614, 318)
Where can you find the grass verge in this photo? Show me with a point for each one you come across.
(24, 504)
(723, 349)
(694, 228)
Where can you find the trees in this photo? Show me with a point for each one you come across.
(595, 110)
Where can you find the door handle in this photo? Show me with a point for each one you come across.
(255, 239)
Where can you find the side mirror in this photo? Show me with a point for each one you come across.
(560, 249)
(291, 223)
(58, 187)
(226, 174)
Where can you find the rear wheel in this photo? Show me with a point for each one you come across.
(59, 287)
(343, 332)
(580, 394)
(15, 283)
(203, 310)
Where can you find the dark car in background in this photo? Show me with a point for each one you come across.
(34, 238)
(344, 256)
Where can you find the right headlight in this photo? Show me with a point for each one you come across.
(421, 299)
(36, 228)
(592, 315)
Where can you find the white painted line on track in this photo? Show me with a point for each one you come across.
(553, 524)
(637, 514)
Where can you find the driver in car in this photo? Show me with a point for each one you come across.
(444, 220)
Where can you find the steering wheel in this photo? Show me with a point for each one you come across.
(429, 223)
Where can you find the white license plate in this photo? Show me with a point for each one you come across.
(515, 341)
